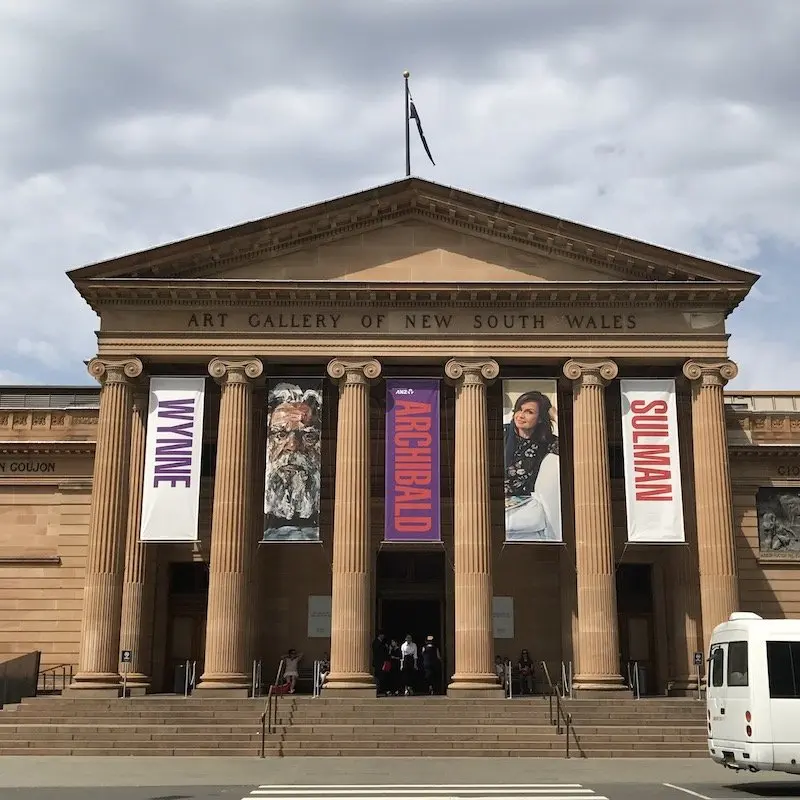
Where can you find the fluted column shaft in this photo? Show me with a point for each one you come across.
(226, 666)
(598, 628)
(719, 590)
(259, 443)
(138, 591)
(684, 600)
(474, 644)
(102, 597)
(350, 592)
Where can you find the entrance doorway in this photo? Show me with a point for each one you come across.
(186, 630)
(637, 641)
(410, 593)
(420, 618)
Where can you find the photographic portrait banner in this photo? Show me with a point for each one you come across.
(293, 475)
(531, 462)
(778, 511)
(653, 495)
(173, 446)
(412, 461)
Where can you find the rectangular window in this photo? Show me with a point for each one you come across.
(737, 664)
(717, 666)
(783, 668)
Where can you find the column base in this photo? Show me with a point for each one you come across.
(225, 685)
(612, 686)
(361, 684)
(481, 685)
(95, 684)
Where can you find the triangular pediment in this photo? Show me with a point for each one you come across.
(413, 231)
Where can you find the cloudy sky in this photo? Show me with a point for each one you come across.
(128, 124)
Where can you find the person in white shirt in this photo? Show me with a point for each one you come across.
(291, 664)
(408, 651)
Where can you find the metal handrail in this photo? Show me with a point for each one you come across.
(561, 713)
(266, 716)
(633, 679)
(508, 680)
(566, 678)
(65, 671)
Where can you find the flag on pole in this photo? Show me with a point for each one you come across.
(415, 116)
(412, 113)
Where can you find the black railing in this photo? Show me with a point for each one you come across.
(19, 677)
(561, 714)
(54, 679)
(270, 709)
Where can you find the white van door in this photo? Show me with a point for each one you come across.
(738, 693)
(716, 694)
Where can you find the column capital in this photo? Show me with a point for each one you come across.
(124, 370)
(472, 370)
(710, 373)
(350, 371)
(233, 370)
(591, 373)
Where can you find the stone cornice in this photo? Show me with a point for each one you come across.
(23, 448)
(129, 292)
(414, 198)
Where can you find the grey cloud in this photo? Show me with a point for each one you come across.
(127, 124)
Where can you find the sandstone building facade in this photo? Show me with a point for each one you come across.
(408, 281)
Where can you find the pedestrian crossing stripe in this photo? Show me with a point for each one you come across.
(435, 791)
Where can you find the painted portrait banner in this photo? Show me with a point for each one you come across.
(293, 479)
(173, 447)
(532, 467)
(653, 495)
(778, 510)
(412, 461)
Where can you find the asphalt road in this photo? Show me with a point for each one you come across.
(79, 778)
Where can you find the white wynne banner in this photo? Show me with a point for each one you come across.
(171, 490)
(653, 492)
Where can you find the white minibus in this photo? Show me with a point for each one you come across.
(753, 694)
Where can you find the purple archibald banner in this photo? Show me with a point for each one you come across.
(412, 461)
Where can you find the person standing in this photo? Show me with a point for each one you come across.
(408, 651)
(431, 665)
(380, 655)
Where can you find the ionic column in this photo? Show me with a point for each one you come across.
(138, 590)
(684, 599)
(598, 666)
(474, 673)
(256, 589)
(350, 602)
(98, 661)
(719, 590)
(226, 668)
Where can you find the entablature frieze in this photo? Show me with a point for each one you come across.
(41, 425)
(647, 349)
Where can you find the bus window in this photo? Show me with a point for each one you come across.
(783, 668)
(737, 663)
(717, 666)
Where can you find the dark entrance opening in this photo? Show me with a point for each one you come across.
(420, 618)
(411, 590)
(186, 630)
(637, 640)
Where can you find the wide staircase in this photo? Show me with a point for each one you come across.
(363, 727)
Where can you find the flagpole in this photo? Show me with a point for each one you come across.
(408, 119)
